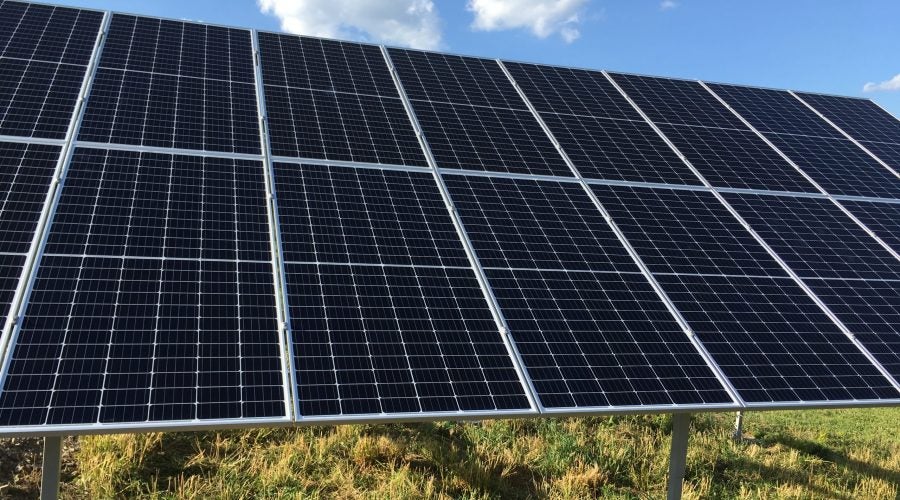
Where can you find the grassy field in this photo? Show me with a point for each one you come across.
(845, 454)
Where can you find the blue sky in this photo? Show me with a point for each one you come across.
(816, 45)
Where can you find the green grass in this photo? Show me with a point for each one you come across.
(844, 454)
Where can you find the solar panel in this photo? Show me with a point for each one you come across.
(25, 173)
(862, 119)
(472, 117)
(682, 102)
(839, 166)
(888, 153)
(598, 129)
(882, 218)
(172, 84)
(590, 328)
(717, 143)
(154, 299)
(735, 159)
(386, 312)
(774, 111)
(334, 101)
(815, 238)
(44, 53)
(772, 341)
(764, 332)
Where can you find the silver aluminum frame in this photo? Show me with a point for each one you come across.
(651, 280)
(35, 140)
(137, 148)
(288, 373)
(502, 327)
(29, 269)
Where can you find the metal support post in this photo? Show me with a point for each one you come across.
(681, 425)
(52, 461)
(738, 427)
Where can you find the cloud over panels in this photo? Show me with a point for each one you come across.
(410, 23)
(542, 17)
(892, 84)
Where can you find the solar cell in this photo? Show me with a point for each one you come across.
(882, 218)
(685, 232)
(684, 102)
(175, 85)
(839, 166)
(735, 159)
(815, 238)
(862, 119)
(772, 341)
(472, 116)
(888, 153)
(154, 299)
(590, 328)
(334, 101)
(774, 111)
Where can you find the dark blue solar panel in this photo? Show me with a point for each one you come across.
(815, 238)
(25, 173)
(473, 117)
(871, 310)
(772, 341)
(587, 338)
(396, 339)
(882, 218)
(839, 166)
(888, 153)
(684, 102)
(678, 231)
(334, 101)
(736, 159)
(48, 33)
(862, 119)
(774, 111)
(114, 332)
(552, 89)
(175, 85)
(37, 98)
(364, 216)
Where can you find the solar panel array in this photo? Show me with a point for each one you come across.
(260, 228)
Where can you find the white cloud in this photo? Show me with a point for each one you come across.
(542, 17)
(892, 84)
(410, 23)
(668, 4)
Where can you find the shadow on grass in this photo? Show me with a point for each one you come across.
(830, 455)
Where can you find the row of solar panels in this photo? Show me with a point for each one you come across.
(454, 237)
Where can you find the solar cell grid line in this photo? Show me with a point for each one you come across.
(110, 338)
(862, 119)
(598, 135)
(472, 116)
(815, 237)
(332, 100)
(554, 253)
(176, 85)
(773, 111)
